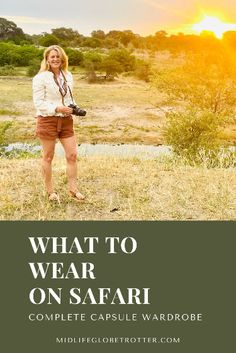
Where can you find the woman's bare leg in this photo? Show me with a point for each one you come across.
(70, 147)
(48, 154)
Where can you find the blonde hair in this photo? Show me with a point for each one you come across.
(64, 58)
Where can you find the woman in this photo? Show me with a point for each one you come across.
(52, 94)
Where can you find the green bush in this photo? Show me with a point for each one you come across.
(75, 56)
(92, 60)
(27, 54)
(48, 39)
(202, 81)
(7, 70)
(143, 70)
(33, 68)
(111, 66)
(124, 58)
(12, 54)
(193, 134)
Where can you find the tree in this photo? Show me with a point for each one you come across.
(92, 61)
(111, 67)
(99, 34)
(75, 56)
(113, 39)
(10, 31)
(91, 42)
(206, 33)
(11, 54)
(67, 36)
(33, 68)
(143, 70)
(127, 37)
(120, 38)
(64, 33)
(202, 88)
(161, 34)
(205, 81)
(229, 39)
(110, 43)
(48, 39)
(124, 58)
(160, 40)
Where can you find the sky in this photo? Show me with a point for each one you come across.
(143, 17)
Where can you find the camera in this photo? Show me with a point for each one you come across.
(77, 110)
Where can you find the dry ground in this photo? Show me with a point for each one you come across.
(124, 111)
(119, 189)
(121, 112)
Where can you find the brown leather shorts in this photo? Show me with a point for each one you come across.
(53, 127)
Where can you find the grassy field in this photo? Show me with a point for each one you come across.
(120, 112)
(124, 111)
(140, 190)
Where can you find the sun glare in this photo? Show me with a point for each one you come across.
(214, 25)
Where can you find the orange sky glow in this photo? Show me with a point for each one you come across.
(143, 17)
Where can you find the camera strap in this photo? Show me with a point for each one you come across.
(71, 95)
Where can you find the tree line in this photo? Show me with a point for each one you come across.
(68, 37)
(20, 49)
(111, 53)
(112, 62)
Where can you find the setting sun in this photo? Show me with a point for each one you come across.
(214, 25)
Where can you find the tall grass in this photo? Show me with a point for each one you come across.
(120, 189)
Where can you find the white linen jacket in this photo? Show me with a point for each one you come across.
(46, 94)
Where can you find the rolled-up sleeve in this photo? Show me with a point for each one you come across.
(39, 97)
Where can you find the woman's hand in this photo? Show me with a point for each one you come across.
(64, 110)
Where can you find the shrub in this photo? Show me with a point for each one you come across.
(92, 60)
(25, 54)
(143, 70)
(111, 66)
(11, 54)
(34, 66)
(48, 39)
(202, 81)
(192, 132)
(75, 56)
(7, 70)
(124, 58)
